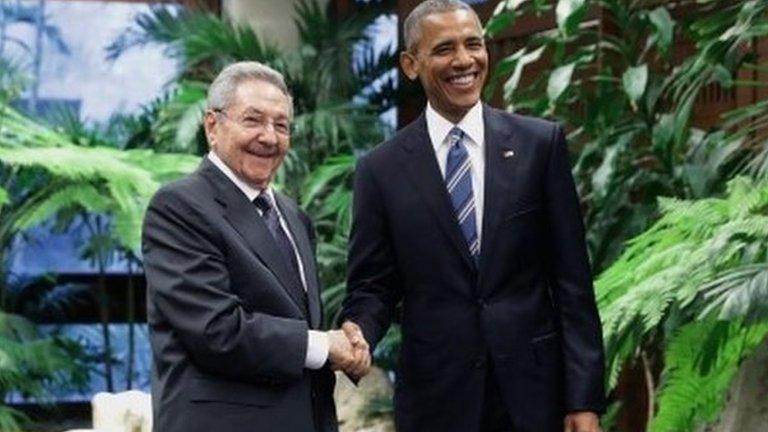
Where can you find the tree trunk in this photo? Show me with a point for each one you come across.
(38, 57)
(104, 315)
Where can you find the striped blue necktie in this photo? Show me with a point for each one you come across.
(458, 180)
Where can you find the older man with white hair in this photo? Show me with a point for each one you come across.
(233, 294)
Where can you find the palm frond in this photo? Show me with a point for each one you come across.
(201, 41)
(739, 292)
(98, 179)
(179, 120)
(336, 169)
(56, 199)
(28, 14)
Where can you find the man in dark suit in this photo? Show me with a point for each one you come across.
(233, 293)
(469, 217)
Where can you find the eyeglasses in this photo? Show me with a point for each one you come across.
(259, 122)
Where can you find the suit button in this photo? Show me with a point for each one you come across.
(479, 363)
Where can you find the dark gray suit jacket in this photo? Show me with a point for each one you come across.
(228, 320)
(529, 307)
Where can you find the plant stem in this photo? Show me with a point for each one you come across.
(649, 387)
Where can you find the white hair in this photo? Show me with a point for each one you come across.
(223, 87)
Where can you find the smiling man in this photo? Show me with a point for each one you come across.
(233, 297)
(468, 218)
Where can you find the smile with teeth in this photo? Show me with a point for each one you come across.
(463, 79)
(260, 154)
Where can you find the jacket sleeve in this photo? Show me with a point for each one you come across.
(571, 284)
(188, 288)
(373, 283)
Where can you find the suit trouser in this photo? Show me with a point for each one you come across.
(317, 414)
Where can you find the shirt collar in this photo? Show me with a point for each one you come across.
(249, 191)
(438, 126)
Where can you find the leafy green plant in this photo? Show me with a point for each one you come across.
(687, 294)
(32, 365)
(698, 274)
(626, 94)
(52, 175)
(695, 383)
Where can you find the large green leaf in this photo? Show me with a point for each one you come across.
(516, 62)
(635, 80)
(503, 17)
(569, 14)
(663, 133)
(664, 27)
(559, 81)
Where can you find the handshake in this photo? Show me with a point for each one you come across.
(348, 351)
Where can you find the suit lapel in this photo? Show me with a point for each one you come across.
(299, 233)
(501, 155)
(425, 173)
(245, 219)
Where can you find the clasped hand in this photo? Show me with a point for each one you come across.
(348, 351)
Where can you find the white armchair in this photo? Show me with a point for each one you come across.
(129, 411)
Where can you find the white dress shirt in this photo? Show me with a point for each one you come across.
(317, 342)
(472, 125)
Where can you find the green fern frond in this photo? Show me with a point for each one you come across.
(673, 264)
(693, 391)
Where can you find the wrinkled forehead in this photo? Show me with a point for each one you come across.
(263, 97)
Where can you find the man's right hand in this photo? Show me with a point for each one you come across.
(340, 354)
(362, 350)
(353, 359)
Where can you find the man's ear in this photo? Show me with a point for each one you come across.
(209, 124)
(410, 65)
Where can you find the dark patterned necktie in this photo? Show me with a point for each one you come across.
(458, 180)
(264, 203)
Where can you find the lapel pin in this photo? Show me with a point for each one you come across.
(507, 154)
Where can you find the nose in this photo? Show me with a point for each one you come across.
(462, 59)
(268, 135)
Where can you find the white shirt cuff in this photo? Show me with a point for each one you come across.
(317, 349)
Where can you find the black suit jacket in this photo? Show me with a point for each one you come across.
(228, 320)
(529, 306)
